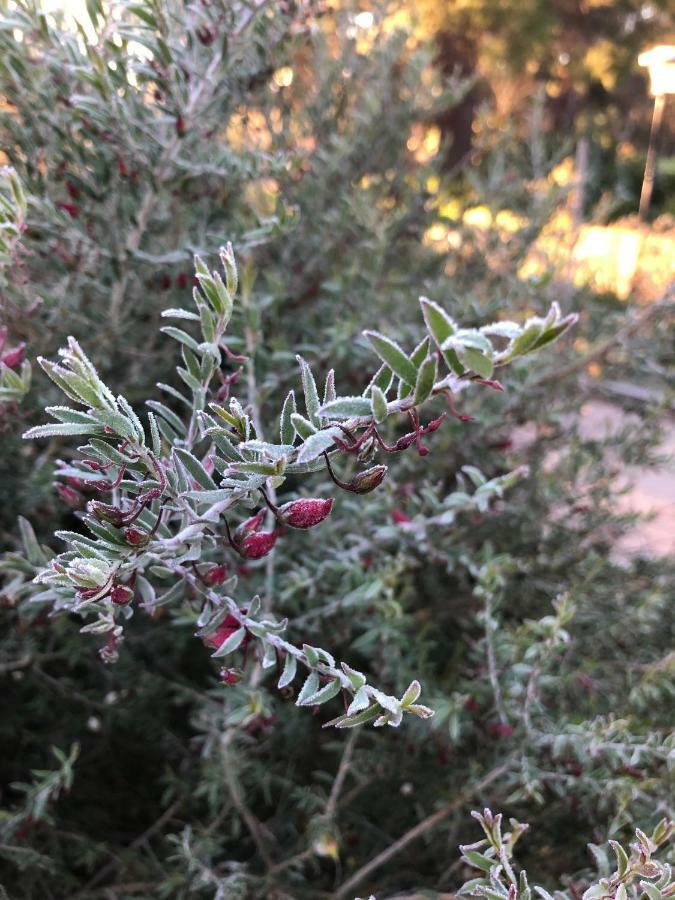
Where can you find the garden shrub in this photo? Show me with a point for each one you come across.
(484, 569)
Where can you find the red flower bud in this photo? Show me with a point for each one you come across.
(104, 512)
(249, 541)
(504, 444)
(136, 536)
(231, 676)
(491, 383)
(121, 595)
(249, 526)
(257, 545)
(205, 35)
(500, 729)
(75, 482)
(165, 282)
(182, 280)
(70, 208)
(366, 481)
(227, 627)
(305, 513)
(14, 357)
(180, 126)
(215, 575)
(69, 495)
(399, 517)
(363, 482)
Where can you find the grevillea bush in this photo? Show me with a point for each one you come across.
(456, 536)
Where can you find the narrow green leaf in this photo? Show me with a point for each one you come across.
(382, 379)
(621, 857)
(327, 692)
(167, 414)
(356, 678)
(426, 378)
(72, 416)
(304, 428)
(286, 429)
(476, 361)
(413, 691)
(360, 701)
(378, 403)
(32, 549)
(195, 468)
(346, 408)
(310, 687)
(181, 336)
(155, 435)
(438, 322)
(390, 353)
(60, 428)
(120, 424)
(210, 496)
(329, 388)
(289, 670)
(366, 715)
(179, 314)
(312, 402)
(318, 443)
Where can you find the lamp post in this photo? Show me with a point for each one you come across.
(660, 61)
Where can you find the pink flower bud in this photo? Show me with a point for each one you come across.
(215, 575)
(249, 526)
(205, 35)
(69, 495)
(305, 513)
(500, 729)
(399, 517)
(257, 545)
(74, 482)
(366, 481)
(136, 536)
(71, 208)
(104, 512)
(121, 595)
(249, 541)
(14, 357)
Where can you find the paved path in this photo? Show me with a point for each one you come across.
(652, 490)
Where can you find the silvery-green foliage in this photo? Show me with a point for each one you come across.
(642, 871)
(168, 506)
(15, 375)
(13, 208)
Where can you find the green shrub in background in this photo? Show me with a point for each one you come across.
(547, 663)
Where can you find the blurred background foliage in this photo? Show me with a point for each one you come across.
(487, 155)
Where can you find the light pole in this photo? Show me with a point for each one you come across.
(660, 61)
